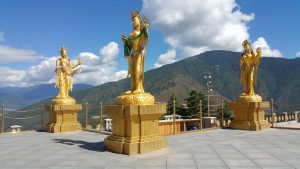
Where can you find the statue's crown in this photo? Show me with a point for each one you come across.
(63, 49)
(246, 42)
(135, 14)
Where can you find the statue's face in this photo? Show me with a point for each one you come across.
(63, 54)
(135, 22)
(247, 48)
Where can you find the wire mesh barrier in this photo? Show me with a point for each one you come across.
(276, 117)
(12, 117)
(93, 117)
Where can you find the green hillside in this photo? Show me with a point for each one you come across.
(278, 78)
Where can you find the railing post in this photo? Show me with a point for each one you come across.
(3, 110)
(200, 117)
(296, 116)
(272, 112)
(86, 114)
(100, 117)
(222, 113)
(285, 116)
(174, 112)
(42, 117)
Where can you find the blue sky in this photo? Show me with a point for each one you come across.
(36, 30)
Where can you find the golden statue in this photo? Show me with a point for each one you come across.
(135, 50)
(249, 63)
(64, 72)
(248, 107)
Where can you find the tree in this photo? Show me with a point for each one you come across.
(193, 102)
(170, 104)
(227, 111)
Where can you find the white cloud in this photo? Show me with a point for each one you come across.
(100, 69)
(195, 26)
(9, 55)
(2, 37)
(109, 53)
(41, 73)
(298, 54)
(266, 49)
(166, 58)
(96, 70)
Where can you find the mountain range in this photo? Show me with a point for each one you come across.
(18, 97)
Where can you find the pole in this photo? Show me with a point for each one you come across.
(174, 112)
(208, 111)
(3, 110)
(42, 117)
(200, 114)
(86, 114)
(222, 113)
(272, 112)
(100, 117)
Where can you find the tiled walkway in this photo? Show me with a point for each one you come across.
(273, 149)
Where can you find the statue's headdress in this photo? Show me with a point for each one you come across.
(63, 49)
(246, 42)
(135, 14)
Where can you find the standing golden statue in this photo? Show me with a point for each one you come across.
(63, 109)
(249, 108)
(249, 63)
(135, 50)
(135, 117)
(64, 72)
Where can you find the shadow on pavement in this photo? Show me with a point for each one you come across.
(92, 146)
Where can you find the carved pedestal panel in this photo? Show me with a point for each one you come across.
(63, 118)
(135, 128)
(249, 115)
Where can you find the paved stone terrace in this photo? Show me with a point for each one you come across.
(218, 149)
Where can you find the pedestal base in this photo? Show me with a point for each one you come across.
(249, 115)
(63, 118)
(135, 128)
(135, 98)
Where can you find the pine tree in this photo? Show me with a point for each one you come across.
(193, 103)
(170, 104)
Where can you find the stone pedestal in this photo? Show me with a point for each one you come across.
(63, 118)
(135, 128)
(249, 115)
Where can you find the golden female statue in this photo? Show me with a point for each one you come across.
(249, 63)
(135, 51)
(64, 81)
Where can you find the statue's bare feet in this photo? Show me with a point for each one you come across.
(128, 92)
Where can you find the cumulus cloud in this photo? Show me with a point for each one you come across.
(97, 69)
(266, 49)
(109, 53)
(2, 37)
(196, 26)
(100, 69)
(166, 58)
(9, 55)
(298, 54)
(37, 74)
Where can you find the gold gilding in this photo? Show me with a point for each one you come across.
(136, 43)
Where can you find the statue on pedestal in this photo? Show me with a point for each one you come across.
(135, 50)
(63, 109)
(248, 107)
(64, 77)
(249, 63)
(135, 116)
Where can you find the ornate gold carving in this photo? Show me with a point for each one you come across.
(249, 63)
(135, 50)
(136, 98)
(64, 81)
